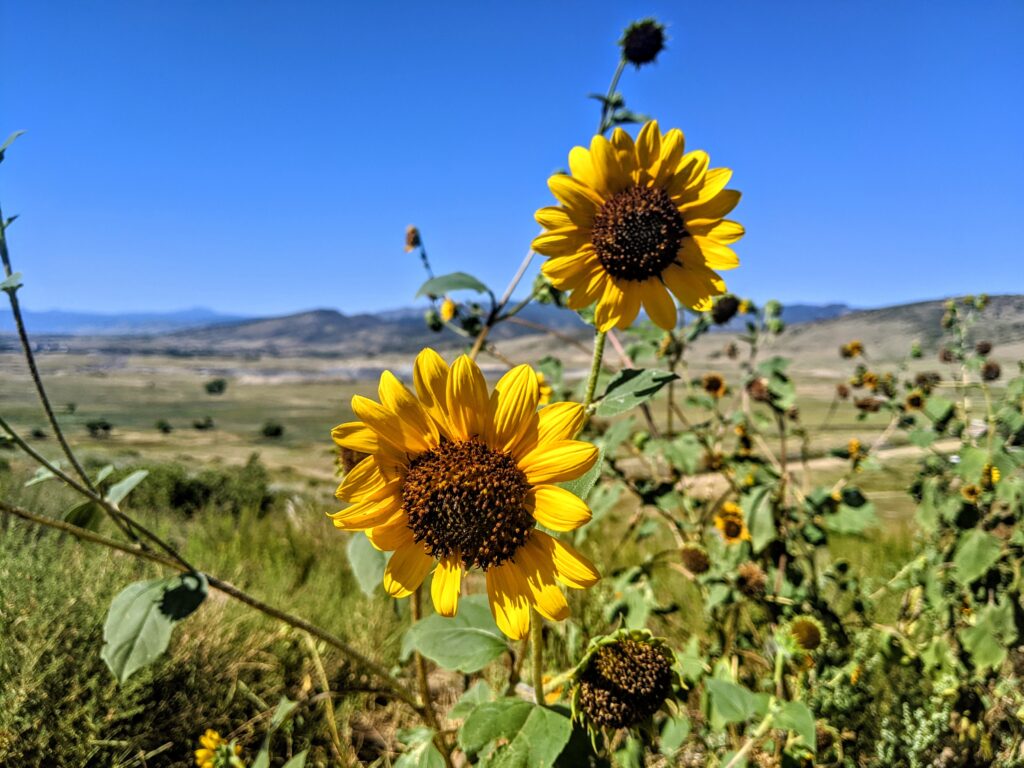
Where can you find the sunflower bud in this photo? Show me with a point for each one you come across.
(725, 309)
(983, 347)
(412, 238)
(695, 558)
(433, 320)
(623, 680)
(807, 632)
(991, 370)
(642, 42)
(449, 309)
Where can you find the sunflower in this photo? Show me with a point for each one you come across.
(714, 384)
(639, 222)
(730, 523)
(459, 478)
(448, 309)
(215, 752)
(914, 400)
(544, 389)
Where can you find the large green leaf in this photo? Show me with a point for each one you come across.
(732, 703)
(468, 641)
(993, 632)
(367, 564)
(630, 388)
(119, 490)
(455, 281)
(141, 617)
(760, 518)
(512, 733)
(795, 716)
(420, 750)
(851, 518)
(977, 552)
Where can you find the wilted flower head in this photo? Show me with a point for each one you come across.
(642, 42)
(946, 355)
(751, 579)
(412, 238)
(725, 309)
(991, 371)
(623, 680)
(842, 391)
(758, 390)
(695, 558)
(807, 632)
(868, 404)
(983, 347)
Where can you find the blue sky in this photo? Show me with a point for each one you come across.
(265, 157)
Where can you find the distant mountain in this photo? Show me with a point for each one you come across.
(59, 322)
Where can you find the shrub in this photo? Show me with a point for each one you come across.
(99, 428)
(164, 426)
(203, 424)
(216, 386)
(272, 429)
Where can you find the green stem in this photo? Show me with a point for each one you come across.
(537, 656)
(595, 368)
(603, 125)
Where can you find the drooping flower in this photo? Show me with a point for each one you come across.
(638, 223)
(459, 479)
(731, 524)
(695, 558)
(623, 679)
(751, 579)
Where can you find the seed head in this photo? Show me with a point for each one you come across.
(725, 309)
(807, 632)
(695, 558)
(642, 42)
(751, 579)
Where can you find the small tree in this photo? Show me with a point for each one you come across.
(204, 424)
(164, 426)
(272, 429)
(216, 386)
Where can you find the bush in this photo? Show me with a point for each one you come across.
(164, 426)
(99, 428)
(272, 429)
(216, 386)
(204, 424)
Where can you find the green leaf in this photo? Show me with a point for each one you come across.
(367, 563)
(12, 283)
(468, 641)
(851, 518)
(795, 716)
(937, 407)
(975, 554)
(583, 484)
(456, 281)
(285, 706)
(299, 761)
(118, 491)
(103, 474)
(673, 734)
(512, 733)
(922, 438)
(731, 702)
(10, 140)
(480, 693)
(85, 514)
(993, 632)
(630, 388)
(759, 517)
(421, 752)
(140, 620)
(685, 453)
(42, 474)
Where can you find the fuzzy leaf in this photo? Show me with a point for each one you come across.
(455, 281)
(977, 552)
(367, 564)
(630, 388)
(468, 641)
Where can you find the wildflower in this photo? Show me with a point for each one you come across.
(744, 443)
(970, 493)
(412, 238)
(745, 307)
(638, 221)
(448, 310)
(751, 579)
(714, 384)
(914, 400)
(854, 449)
(983, 347)
(695, 558)
(991, 371)
(853, 348)
(842, 391)
(459, 478)
(990, 475)
(623, 680)
(725, 309)
(215, 752)
(807, 632)
(544, 390)
(731, 524)
(870, 380)
(642, 42)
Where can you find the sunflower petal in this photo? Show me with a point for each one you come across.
(557, 508)
(716, 255)
(672, 147)
(367, 514)
(513, 405)
(710, 210)
(406, 570)
(560, 242)
(560, 421)
(392, 535)
(508, 594)
(364, 482)
(557, 461)
(608, 175)
(553, 217)
(537, 566)
(446, 585)
(430, 377)
(581, 201)
(397, 398)
(658, 303)
(722, 231)
(626, 152)
(355, 436)
(389, 428)
(694, 286)
(466, 395)
(581, 166)
(571, 568)
(648, 150)
(628, 305)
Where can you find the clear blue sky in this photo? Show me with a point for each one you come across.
(265, 157)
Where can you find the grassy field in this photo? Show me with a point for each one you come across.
(229, 665)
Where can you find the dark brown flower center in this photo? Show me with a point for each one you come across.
(637, 233)
(732, 528)
(463, 498)
(625, 683)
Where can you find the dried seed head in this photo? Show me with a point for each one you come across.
(624, 683)
(991, 370)
(642, 42)
(725, 309)
(412, 238)
(751, 579)
(983, 347)
(695, 558)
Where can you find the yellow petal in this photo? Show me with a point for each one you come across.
(559, 421)
(389, 428)
(568, 272)
(723, 231)
(626, 152)
(513, 405)
(367, 514)
(538, 568)
(364, 482)
(355, 436)
(557, 508)
(571, 568)
(553, 217)
(406, 570)
(581, 167)
(628, 303)
(686, 183)
(672, 146)
(715, 208)
(393, 535)
(659, 305)
(557, 461)
(397, 398)
(560, 242)
(446, 585)
(580, 201)
(713, 183)
(716, 255)
(467, 399)
(588, 290)
(694, 286)
(430, 377)
(608, 175)
(648, 150)
(508, 594)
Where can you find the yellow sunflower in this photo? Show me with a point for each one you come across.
(638, 223)
(731, 524)
(460, 479)
(215, 751)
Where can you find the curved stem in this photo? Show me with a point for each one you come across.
(492, 318)
(537, 656)
(603, 125)
(595, 368)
